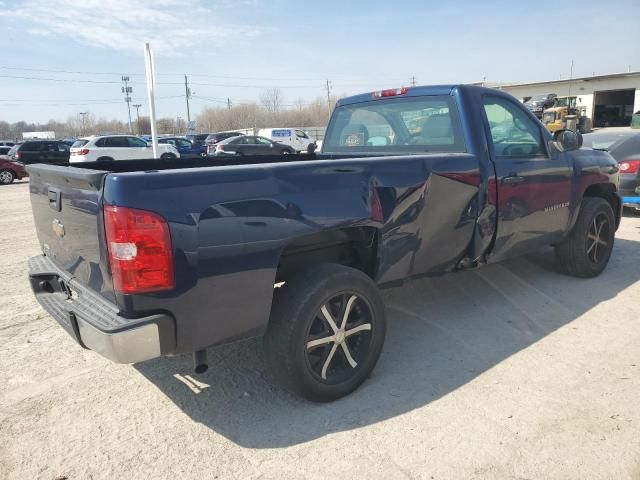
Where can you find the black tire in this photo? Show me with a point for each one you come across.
(297, 319)
(167, 156)
(311, 149)
(586, 251)
(105, 159)
(7, 177)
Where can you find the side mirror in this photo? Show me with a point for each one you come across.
(566, 140)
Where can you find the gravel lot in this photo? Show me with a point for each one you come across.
(511, 371)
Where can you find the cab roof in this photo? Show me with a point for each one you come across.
(411, 92)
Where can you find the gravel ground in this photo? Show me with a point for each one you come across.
(511, 371)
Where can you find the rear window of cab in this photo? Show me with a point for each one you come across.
(409, 125)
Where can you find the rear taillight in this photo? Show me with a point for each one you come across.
(392, 92)
(219, 147)
(140, 252)
(17, 156)
(629, 166)
(84, 151)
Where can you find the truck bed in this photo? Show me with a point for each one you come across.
(121, 166)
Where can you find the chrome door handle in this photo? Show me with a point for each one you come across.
(512, 179)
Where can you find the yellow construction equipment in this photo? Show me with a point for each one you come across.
(566, 114)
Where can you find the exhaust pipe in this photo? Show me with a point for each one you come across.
(200, 361)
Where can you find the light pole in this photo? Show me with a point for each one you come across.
(137, 107)
(82, 115)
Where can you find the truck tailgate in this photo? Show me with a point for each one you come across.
(66, 204)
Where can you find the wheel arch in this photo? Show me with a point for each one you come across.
(606, 191)
(355, 247)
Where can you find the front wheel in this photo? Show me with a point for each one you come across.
(167, 156)
(6, 177)
(586, 251)
(326, 331)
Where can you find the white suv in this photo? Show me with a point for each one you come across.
(117, 147)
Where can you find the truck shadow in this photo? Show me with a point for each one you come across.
(442, 333)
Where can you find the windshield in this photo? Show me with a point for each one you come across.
(538, 98)
(79, 143)
(396, 126)
(565, 102)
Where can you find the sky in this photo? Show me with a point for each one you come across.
(61, 57)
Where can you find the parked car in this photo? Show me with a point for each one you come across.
(538, 103)
(197, 139)
(7, 143)
(4, 153)
(623, 144)
(214, 138)
(248, 145)
(175, 257)
(297, 139)
(40, 151)
(185, 147)
(10, 171)
(117, 147)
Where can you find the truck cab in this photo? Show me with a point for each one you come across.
(161, 257)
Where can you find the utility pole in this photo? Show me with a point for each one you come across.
(187, 95)
(82, 115)
(413, 81)
(570, 77)
(137, 107)
(228, 103)
(126, 89)
(328, 88)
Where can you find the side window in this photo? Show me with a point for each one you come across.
(250, 141)
(135, 142)
(117, 142)
(301, 134)
(263, 141)
(30, 147)
(101, 142)
(63, 147)
(513, 133)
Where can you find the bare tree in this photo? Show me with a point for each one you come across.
(272, 100)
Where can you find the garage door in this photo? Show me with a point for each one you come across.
(613, 108)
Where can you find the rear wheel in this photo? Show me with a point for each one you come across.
(167, 156)
(105, 159)
(6, 177)
(586, 251)
(326, 331)
(311, 148)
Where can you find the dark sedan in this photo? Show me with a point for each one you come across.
(624, 145)
(250, 145)
(186, 148)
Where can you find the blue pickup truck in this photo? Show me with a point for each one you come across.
(147, 258)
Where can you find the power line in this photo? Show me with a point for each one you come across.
(204, 75)
(221, 85)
